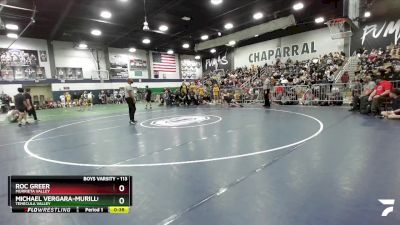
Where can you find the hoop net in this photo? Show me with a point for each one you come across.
(101, 75)
(338, 28)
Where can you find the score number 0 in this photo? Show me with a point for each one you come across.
(121, 200)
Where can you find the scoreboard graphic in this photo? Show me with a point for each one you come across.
(70, 194)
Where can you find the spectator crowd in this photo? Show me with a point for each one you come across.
(307, 82)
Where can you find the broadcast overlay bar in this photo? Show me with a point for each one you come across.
(70, 194)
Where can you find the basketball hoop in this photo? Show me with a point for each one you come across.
(339, 28)
(100, 75)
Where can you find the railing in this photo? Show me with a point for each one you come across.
(396, 84)
(317, 94)
(350, 67)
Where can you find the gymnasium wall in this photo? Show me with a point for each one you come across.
(37, 91)
(28, 44)
(10, 89)
(123, 55)
(65, 55)
(109, 85)
(296, 47)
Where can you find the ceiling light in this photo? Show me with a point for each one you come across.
(186, 45)
(231, 43)
(197, 57)
(219, 34)
(367, 14)
(213, 51)
(82, 46)
(256, 35)
(132, 50)
(123, 0)
(12, 26)
(258, 16)
(96, 32)
(146, 41)
(163, 28)
(170, 52)
(186, 18)
(228, 26)
(146, 25)
(298, 6)
(204, 37)
(105, 14)
(216, 2)
(11, 35)
(319, 20)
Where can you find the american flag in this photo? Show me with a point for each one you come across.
(164, 62)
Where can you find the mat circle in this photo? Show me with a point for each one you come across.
(294, 144)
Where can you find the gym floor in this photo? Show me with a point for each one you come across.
(216, 165)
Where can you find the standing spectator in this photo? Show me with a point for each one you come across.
(345, 78)
(148, 96)
(62, 99)
(130, 100)
(21, 106)
(90, 99)
(102, 97)
(216, 93)
(184, 90)
(28, 99)
(68, 99)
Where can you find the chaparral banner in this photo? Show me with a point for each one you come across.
(296, 47)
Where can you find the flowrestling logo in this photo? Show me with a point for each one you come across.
(390, 206)
(181, 121)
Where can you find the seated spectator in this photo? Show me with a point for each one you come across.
(345, 78)
(380, 93)
(362, 98)
(395, 112)
(229, 99)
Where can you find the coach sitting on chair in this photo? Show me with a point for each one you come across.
(380, 93)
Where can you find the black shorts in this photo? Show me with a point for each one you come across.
(228, 99)
(22, 110)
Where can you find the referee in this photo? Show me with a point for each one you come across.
(130, 100)
(267, 89)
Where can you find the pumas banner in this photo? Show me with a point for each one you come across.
(377, 34)
(221, 61)
(296, 47)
